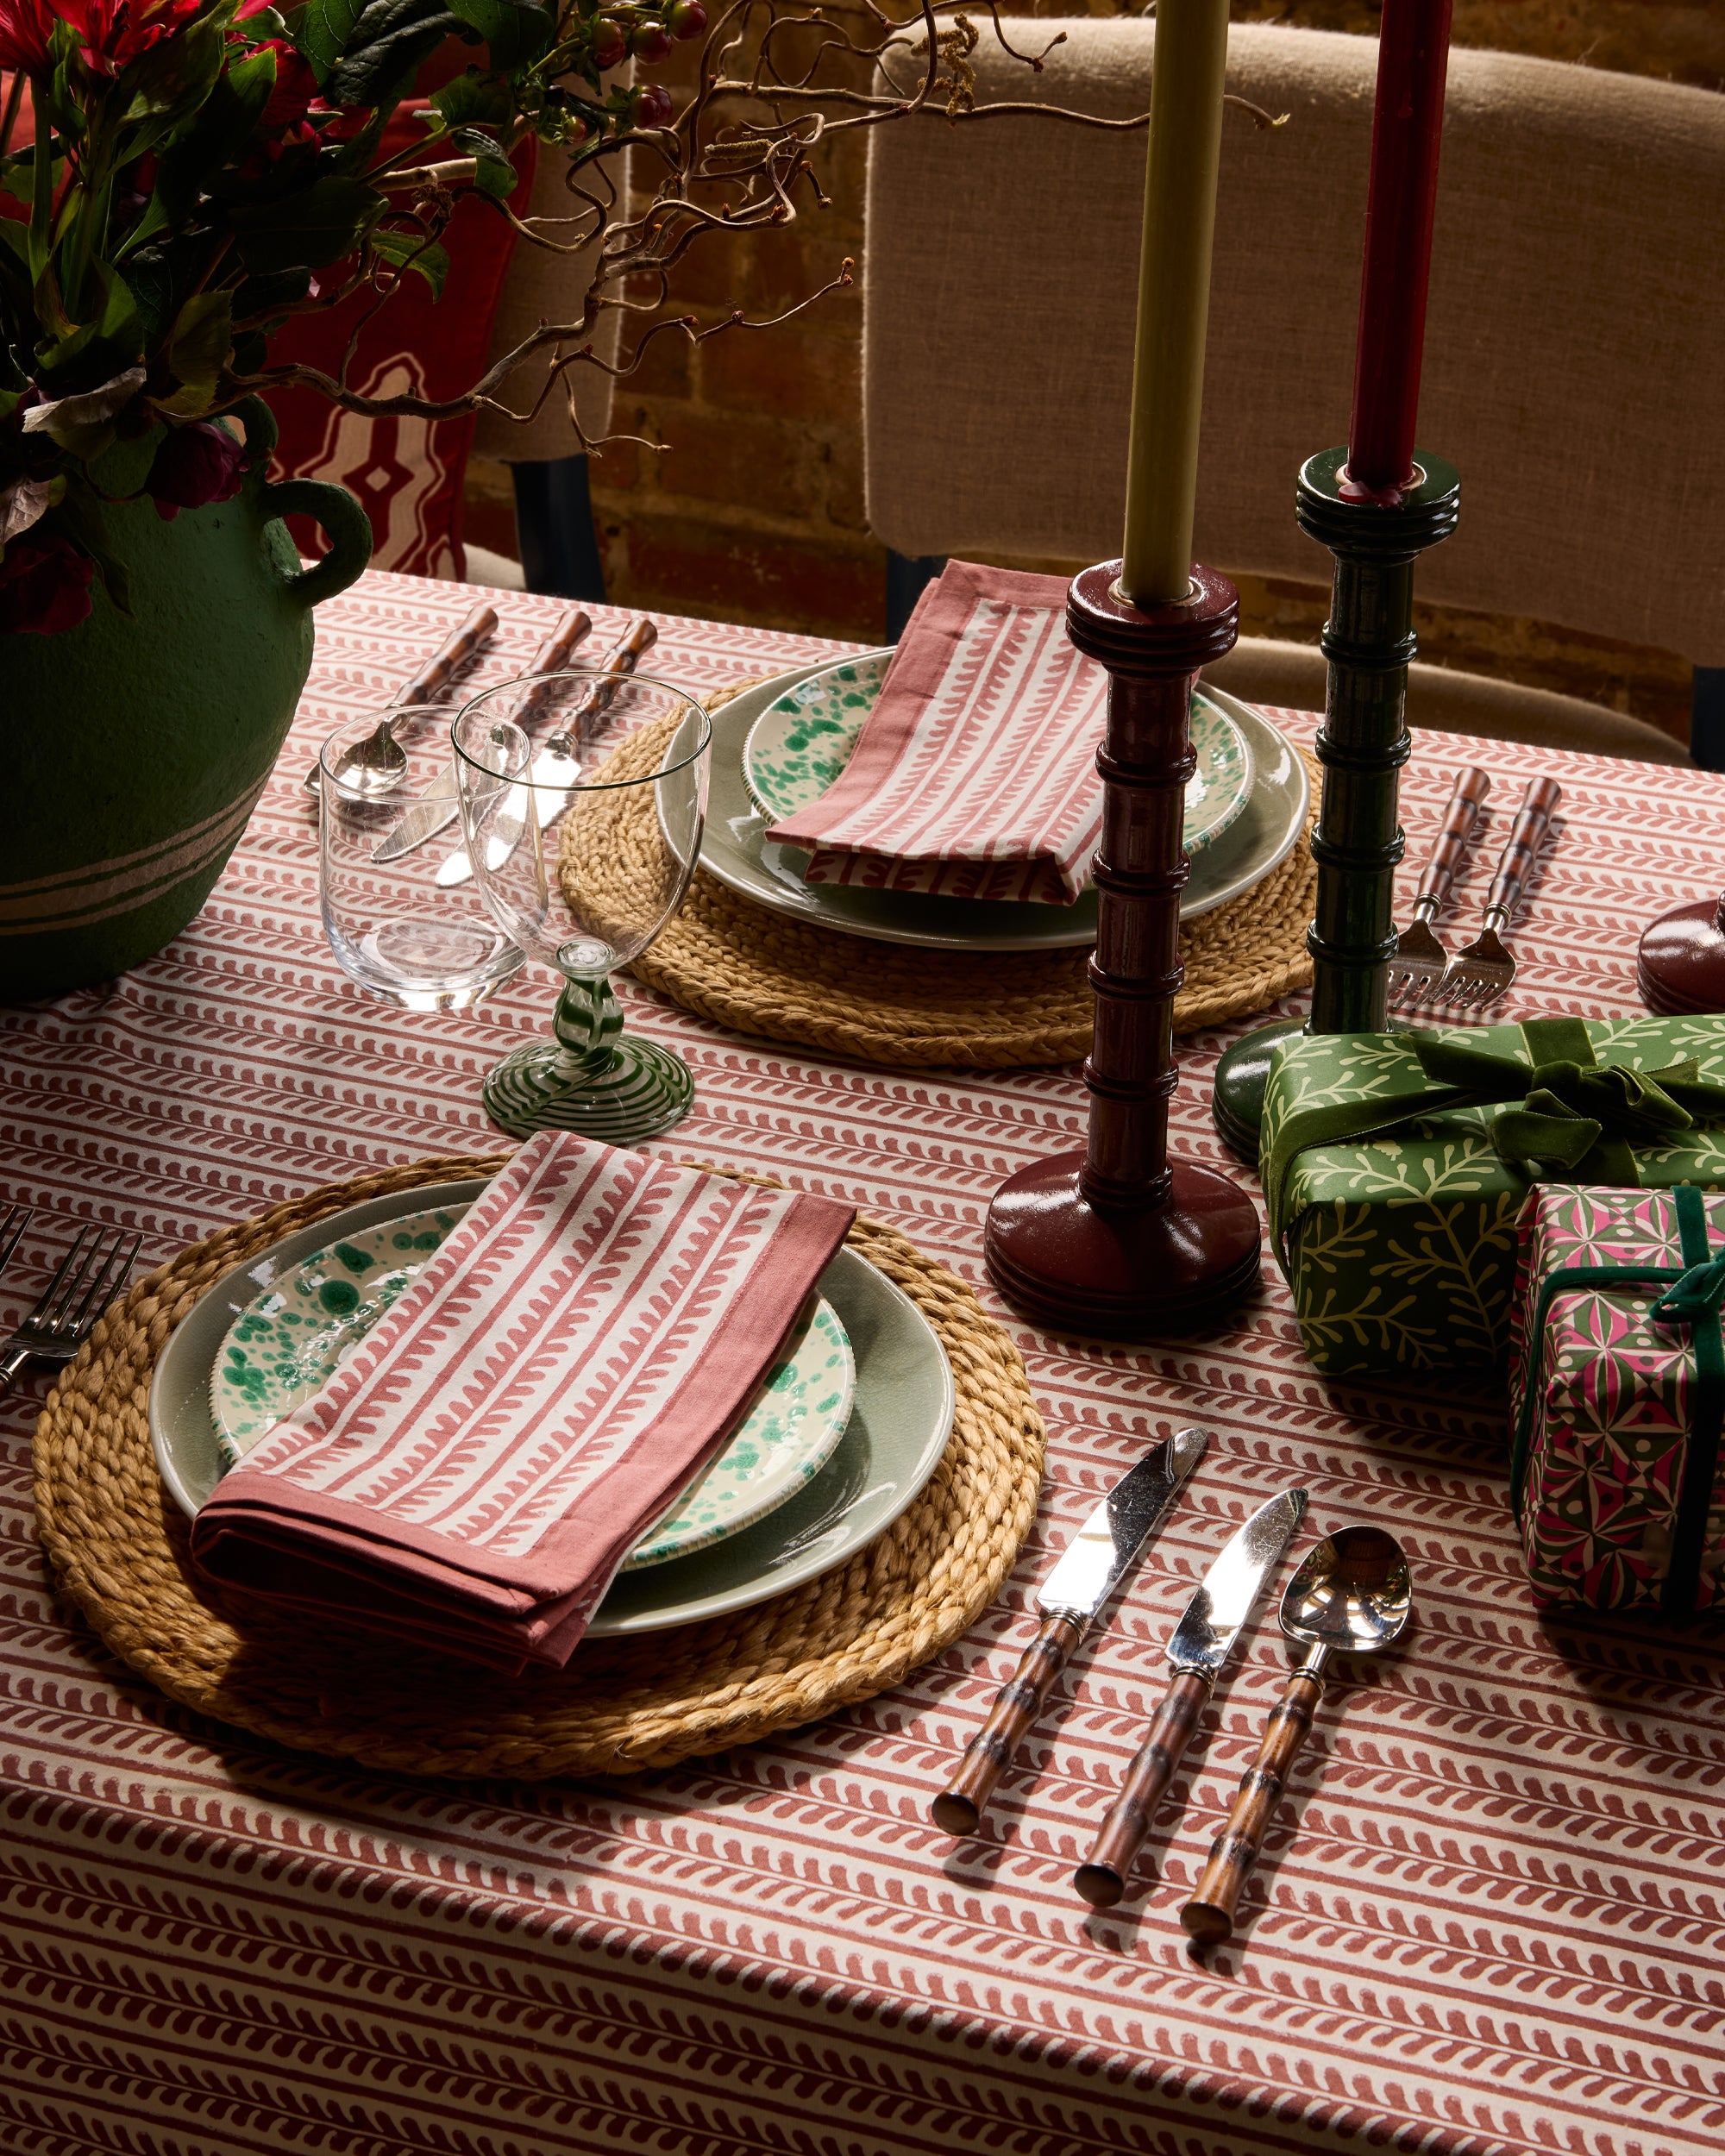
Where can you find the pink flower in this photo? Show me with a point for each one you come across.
(195, 466)
(296, 85)
(25, 28)
(114, 33)
(44, 585)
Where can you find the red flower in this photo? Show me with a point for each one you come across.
(296, 85)
(113, 33)
(195, 465)
(43, 587)
(25, 27)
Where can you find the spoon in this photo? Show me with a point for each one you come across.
(379, 762)
(1352, 1595)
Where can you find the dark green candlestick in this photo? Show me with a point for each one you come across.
(1368, 641)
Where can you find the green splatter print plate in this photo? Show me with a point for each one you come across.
(796, 749)
(289, 1342)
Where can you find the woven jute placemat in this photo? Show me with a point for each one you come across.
(756, 972)
(117, 1547)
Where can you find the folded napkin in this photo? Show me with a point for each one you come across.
(571, 1359)
(975, 774)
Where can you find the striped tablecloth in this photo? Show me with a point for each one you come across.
(1489, 1915)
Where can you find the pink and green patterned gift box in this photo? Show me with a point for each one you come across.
(1617, 1389)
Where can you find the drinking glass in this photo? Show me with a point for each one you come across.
(582, 840)
(392, 927)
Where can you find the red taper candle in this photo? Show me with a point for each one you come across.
(1406, 132)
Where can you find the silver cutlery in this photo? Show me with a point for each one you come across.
(556, 765)
(1480, 971)
(84, 1283)
(1201, 1642)
(11, 1230)
(1090, 1567)
(1420, 959)
(381, 756)
(439, 804)
(1352, 1595)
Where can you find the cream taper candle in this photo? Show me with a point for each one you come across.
(1174, 297)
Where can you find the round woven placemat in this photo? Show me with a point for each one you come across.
(756, 972)
(118, 1545)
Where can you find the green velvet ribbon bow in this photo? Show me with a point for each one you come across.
(1575, 1117)
(1694, 1296)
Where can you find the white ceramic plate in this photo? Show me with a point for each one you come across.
(898, 1425)
(799, 746)
(289, 1341)
(735, 849)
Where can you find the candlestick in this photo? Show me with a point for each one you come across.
(1187, 76)
(1377, 505)
(1407, 134)
(1118, 1240)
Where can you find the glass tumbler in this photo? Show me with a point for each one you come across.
(385, 834)
(582, 838)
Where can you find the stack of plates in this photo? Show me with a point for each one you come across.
(781, 745)
(844, 1434)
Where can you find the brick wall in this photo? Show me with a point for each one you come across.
(753, 510)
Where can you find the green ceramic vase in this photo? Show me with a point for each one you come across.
(133, 749)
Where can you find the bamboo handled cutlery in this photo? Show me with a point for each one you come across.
(1351, 1594)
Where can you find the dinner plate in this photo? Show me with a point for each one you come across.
(799, 746)
(899, 1427)
(736, 849)
(292, 1337)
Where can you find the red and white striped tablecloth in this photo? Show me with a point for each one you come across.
(1490, 1918)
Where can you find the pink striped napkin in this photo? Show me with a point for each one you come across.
(974, 775)
(569, 1360)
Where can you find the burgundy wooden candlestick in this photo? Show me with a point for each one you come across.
(1680, 968)
(1118, 1240)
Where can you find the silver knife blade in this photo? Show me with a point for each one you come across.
(1210, 1621)
(1092, 1563)
(436, 807)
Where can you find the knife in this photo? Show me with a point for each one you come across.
(1201, 1644)
(1090, 1567)
(474, 633)
(439, 806)
(557, 760)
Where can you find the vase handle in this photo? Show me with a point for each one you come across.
(346, 524)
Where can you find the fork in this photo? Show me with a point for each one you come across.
(1481, 970)
(69, 1305)
(12, 1228)
(1420, 959)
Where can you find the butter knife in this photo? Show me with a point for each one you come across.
(1090, 1567)
(439, 806)
(557, 760)
(1201, 1642)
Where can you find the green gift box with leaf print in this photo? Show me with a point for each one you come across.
(1395, 1165)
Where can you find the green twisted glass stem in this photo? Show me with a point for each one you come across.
(591, 1077)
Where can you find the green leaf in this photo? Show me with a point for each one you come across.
(473, 96)
(390, 42)
(496, 176)
(324, 30)
(408, 251)
(84, 425)
(197, 351)
(220, 135)
(517, 31)
(168, 82)
(316, 224)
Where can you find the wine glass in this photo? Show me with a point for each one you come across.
(581, 848)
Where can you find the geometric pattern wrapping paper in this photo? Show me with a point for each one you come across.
(1400, 1250)
(1603, 1443)
(1490, 1919)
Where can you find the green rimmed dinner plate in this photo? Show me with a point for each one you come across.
(800, 744)
(736, 851)
(899, 1422)
(288, 1342)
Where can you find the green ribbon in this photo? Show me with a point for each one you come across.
(1694, 1298)
(1574, 1116)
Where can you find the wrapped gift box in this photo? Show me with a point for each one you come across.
(1395, 1165)
(1617, 1383)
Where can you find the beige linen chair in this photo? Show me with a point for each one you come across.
(1572, 369)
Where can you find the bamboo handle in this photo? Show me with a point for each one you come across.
(1526, 835)
(552, 657)
(1102, 1879)
(1209, 1915)
(434, 677)
(959, 1807)
(1467, 797)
